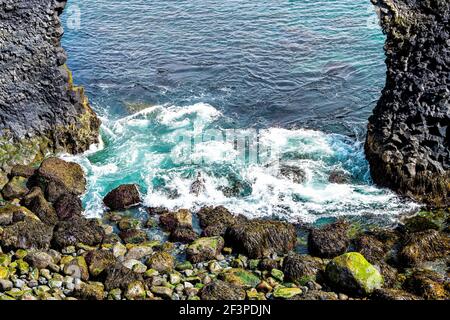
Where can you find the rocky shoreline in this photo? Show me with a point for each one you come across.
(50, 251)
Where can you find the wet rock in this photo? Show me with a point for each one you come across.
(78, 230)
(123, 197)
(286, 293)
(198, 186)
(127, 223)
(302, 268)
(295, 174)
(16, 188)
(135, 291)
(92, 291)
(240, 277)
(39, 259)
(259, 238)
(339, 177)
(371, 248)
(183, 235)
(329, 241)
(163, 292)
(392, 295)
(317, 295)
(133, 236)
(423, 246)
(173, 220)
(268, 264)
(139, 252)
(204, 249)
(36, 202)
(119, 276)
(353, 274)
(215, 220)
(57, 177)
(27, 234)
(98, 261)
(425, 221)
(427, 284)
(220, 290)
(68, 206)
(22, 171)
(162, 262)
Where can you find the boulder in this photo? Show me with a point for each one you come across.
(295, 174)
(428, 284)
(353, 274)
(339, 177)
(123, 197)
(220, 290)
(135, 291)
(162, 262)
(39, 259)
(302, 268)
(36, 202)
(183, 235)
(57, 177)
(98, 261)
(423, 246)
(68, 206)
(259, 238)
(22, 171)
(329, 241)
(281, 292)
(119, 276)
(78, 230)
(91, 291)
(173, 220)
(204, 249)
(77, 268)
(215, 220)
(16, 188)
(371, 248)
(27, 234)
(10, 214)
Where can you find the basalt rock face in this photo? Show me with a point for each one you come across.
(409, 132)
(41, 111)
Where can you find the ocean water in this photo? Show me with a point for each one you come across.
(242, 103)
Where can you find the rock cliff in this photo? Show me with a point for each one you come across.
(41, 110)
(408, 134)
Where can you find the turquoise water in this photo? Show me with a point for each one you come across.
(224, 95)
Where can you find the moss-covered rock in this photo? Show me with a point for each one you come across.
(353, 274)
(77, 268)
(220, 290)
(215, 220)
(392, 295)
(57, 177)
(173, 220)
(286, 293)
(240, 278)
(329, 241)
(135, 291)
(204, 249)
(78, 230)
(134, 236)
(36, 202)
(162, 262)
(92, 291)
(119, 276)
(27, 234)
(183, 235)
(16, 188)
(428, 284)
(302, 268)
(259, 238)
(39, 259)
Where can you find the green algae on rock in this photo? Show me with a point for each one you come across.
(354, 274)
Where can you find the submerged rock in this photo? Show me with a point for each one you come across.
(123, 197)
(295, 174)
(339, 177)
(259, 238)
(329, 241)
(353, 274)
(220, 290)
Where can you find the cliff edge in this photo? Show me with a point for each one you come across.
(41, 110)
(408, 134)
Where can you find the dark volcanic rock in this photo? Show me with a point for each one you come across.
(409, 132)
(68, 206)
(123, 197)
(40, 109)
(259, 238)
(78, 230)
(329, 241)
(220, 290)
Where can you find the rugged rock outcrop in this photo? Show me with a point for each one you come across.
(409, 132)
(41, 110)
